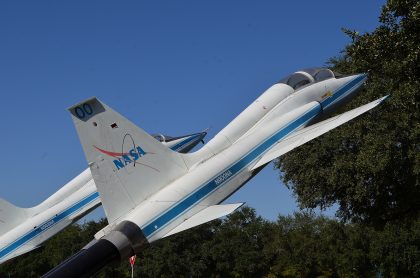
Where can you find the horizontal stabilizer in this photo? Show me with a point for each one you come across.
(22, 250)
(305, 135)
(206, 215)
(10, 216)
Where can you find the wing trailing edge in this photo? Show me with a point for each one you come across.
(208, 214)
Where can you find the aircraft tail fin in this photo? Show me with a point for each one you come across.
(127, 164)
(10, 216)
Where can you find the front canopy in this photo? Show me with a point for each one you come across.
(307, 76)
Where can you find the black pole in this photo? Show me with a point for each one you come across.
(87, 262)
(125, 240)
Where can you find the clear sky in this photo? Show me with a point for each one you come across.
(174, 67)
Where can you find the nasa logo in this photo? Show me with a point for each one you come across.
(123, 159)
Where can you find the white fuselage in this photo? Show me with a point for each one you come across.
(170, 192)
(73, 201)
(228, 159)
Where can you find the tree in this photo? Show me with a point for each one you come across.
(396, 250)
(55, 250)
(237, 245)
(232, 247)
(245, 245)
(306, 245)
(370, 166)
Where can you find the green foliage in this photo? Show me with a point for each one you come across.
(309, 246)
(229, 248)
(245, 245)
(397, 249)
(370, 166)
(56, 250)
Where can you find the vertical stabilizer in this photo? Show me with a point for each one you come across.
(127, 164)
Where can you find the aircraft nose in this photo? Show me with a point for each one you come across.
(203, 134)
(362, 77)
(201, 137)
(353, 83)
(355, 80)
(358, 82)
(345, 89)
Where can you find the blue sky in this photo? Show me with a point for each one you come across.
(173, 67)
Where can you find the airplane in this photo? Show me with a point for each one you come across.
(25, 229)
(150, 192)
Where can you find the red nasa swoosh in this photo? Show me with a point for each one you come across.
(117, 155)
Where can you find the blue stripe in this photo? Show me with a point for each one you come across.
(184, 142)
(343, 90)
(202, 192)
(69, 211)
(55, 220)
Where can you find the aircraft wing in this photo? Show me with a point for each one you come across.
(22, 250)
(308, 133)
(206, 215)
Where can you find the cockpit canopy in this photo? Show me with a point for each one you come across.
(307, 76)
